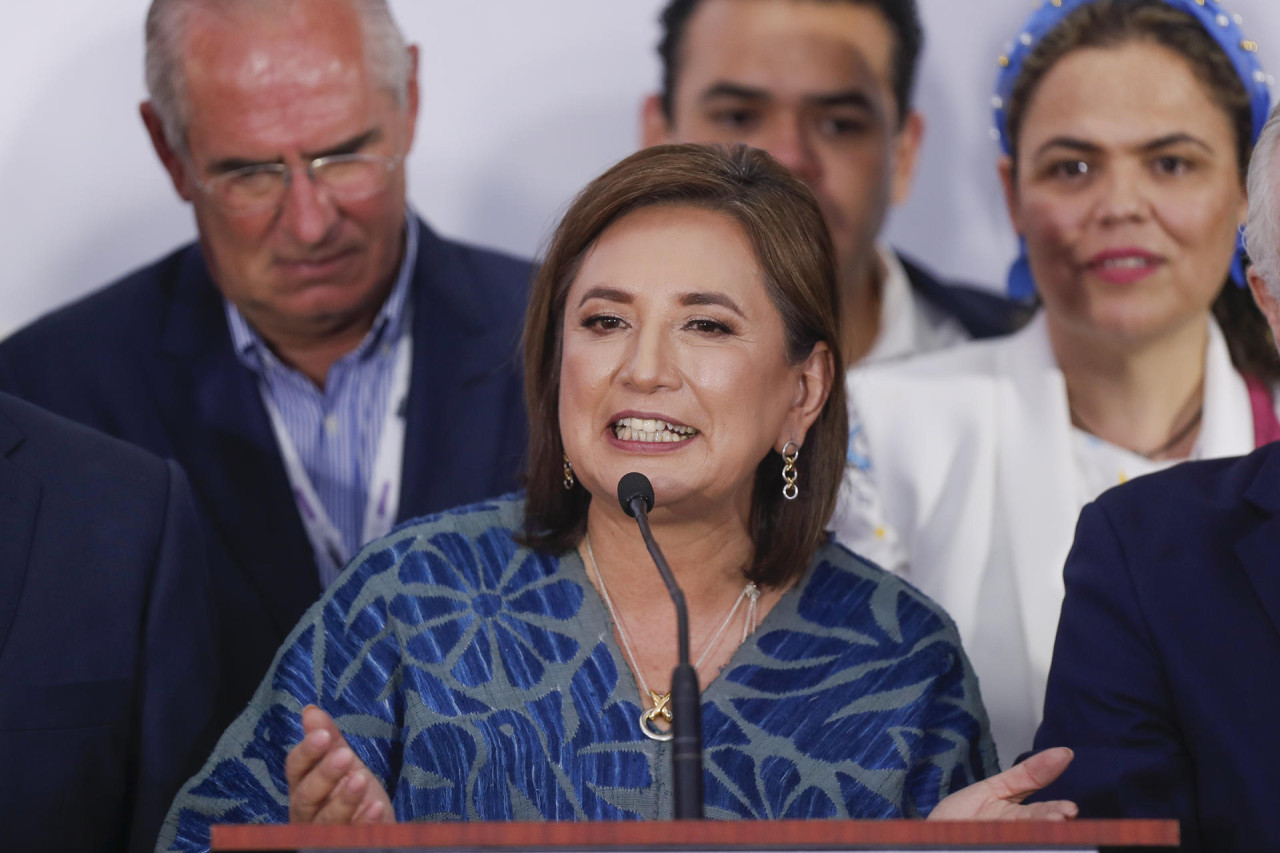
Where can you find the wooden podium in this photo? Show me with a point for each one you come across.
(897, 835)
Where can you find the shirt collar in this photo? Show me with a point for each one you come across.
(897, 328)
(909, 323)
(389, 325)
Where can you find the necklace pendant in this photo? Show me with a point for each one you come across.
(661, 710)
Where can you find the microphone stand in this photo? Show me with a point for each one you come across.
(686, 701)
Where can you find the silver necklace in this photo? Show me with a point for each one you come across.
(662, 701)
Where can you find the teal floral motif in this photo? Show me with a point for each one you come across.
(583, 763)
(870, 663)
(771, 789)
(466, 603)
(481, 681)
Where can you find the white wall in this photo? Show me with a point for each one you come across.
(523, 102)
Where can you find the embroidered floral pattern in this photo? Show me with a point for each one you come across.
(481, 681)
(468, 603)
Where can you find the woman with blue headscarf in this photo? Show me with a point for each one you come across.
(1126, 126)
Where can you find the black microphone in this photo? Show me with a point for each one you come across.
(635, 493)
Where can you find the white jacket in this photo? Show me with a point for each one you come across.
(973, 492)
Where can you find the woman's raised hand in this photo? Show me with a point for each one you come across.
(1001, 796)
(328, 783)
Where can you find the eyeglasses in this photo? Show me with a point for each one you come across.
(263, 186)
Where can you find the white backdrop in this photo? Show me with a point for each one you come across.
(523, 102)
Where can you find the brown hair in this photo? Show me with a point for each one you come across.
(785, 228)
(1113, 23)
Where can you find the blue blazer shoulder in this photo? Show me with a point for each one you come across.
(107, 662)
(1164, 671)
(983, 313)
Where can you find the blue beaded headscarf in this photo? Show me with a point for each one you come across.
(1223, 27)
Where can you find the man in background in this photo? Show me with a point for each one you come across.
(825, 87)
(320, 363)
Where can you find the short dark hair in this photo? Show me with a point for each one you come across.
(784, 226)
(902, 15)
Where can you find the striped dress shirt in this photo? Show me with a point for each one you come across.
(335, 429)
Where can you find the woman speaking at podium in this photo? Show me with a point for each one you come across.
(511, 660)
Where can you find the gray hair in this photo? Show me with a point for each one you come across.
(1262, 228)
(167, 21)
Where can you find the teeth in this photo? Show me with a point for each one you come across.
(652, 430)
(1124, 263)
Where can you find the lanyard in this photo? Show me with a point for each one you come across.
(383, 498)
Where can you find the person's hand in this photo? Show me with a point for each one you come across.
(1001, 796)
(327, 782)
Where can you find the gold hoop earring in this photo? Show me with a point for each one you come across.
(569, 480)
(789, 490)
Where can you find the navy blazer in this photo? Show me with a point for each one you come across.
(107, 664)
(982, 313)
(149, 359)
(1166, 673)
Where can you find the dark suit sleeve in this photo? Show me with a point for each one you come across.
(8, 382)
(178, 673)
(1108, 696)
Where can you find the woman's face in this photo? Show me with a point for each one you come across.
(674, 363)
(1127, 192)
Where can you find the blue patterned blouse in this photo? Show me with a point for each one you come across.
(481, 681)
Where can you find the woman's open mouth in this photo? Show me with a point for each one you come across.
(651, 430)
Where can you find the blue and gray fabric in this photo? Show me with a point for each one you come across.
(480, 680)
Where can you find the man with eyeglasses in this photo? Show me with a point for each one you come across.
(320, 362)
